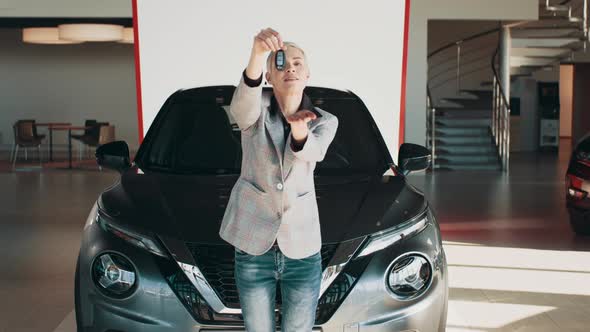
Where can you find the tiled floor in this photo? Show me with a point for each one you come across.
(514, 264)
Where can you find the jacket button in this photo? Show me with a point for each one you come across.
(279, 186)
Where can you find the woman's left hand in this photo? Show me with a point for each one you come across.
(298, 122)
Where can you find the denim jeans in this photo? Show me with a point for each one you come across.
(256, 280)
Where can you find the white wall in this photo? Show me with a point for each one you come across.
(357, 47)
(66, 83)
(423, 10)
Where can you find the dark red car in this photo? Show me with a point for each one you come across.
(577, 182)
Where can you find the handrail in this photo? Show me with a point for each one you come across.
(463, 40)
(430, 128)
(451, 66)
(430, 109)
(466, 73)
(441, 75)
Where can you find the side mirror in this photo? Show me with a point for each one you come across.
(114, 155)
(413, 157)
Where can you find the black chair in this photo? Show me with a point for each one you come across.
(87, 134)
(93, 138)
(25, 135)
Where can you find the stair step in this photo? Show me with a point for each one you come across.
(468, 167)
(442, 140)
(519, 61)
(556, 8)
(479, 93)
(543, 42)
(459, 149)
(467, 159)
(463, 122)
(463, 112)
(550, 19)
(540, 51)
(473, 160)
(542, 32)
(469, 131)
(468, 103)
(468, 144)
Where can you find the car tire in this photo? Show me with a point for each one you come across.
(580, 226)
(77, 309)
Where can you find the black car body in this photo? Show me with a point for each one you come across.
(151, 258)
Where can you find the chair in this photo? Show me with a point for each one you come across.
(87, 134)
(106, 135)
(25, 135)
(93, 135)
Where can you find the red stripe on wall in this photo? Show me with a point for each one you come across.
(137, 71)
(402, 113)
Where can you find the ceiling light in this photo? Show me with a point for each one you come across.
(91, 32)
(44, 36)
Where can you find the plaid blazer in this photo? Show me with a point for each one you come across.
(274, 197)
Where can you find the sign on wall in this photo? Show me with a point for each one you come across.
(356, 46)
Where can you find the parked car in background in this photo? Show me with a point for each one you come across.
(151, 258)
(577, 181)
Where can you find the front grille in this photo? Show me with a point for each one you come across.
(216, 262)
(190, 297)
(217, 265)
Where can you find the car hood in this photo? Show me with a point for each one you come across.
(191, 207)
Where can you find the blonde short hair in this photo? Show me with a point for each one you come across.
(269, 60)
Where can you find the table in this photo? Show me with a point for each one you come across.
(50, 126)
(69, 129)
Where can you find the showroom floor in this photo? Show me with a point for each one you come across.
(514, 264)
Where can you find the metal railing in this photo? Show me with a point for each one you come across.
(430, 128)
(500, 126)
(462, 51)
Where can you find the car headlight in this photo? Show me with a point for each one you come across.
(140, 240)
(113, 274)
(386, 238)
(409, 276)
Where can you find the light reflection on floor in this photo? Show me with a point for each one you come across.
(517, 289)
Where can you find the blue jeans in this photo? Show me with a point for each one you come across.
(256, 279)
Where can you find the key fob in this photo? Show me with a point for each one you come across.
(280, 60)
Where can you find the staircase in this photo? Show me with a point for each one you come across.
(463, 137)
(462, 119)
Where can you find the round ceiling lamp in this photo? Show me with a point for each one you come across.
(90, 32)
(127, 36)
(44, 36)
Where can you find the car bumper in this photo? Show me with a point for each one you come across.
(155, 307)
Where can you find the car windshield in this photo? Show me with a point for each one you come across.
(195, 133)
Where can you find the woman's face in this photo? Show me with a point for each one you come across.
(293, 78)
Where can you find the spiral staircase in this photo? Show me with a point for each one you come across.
(468, 129)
